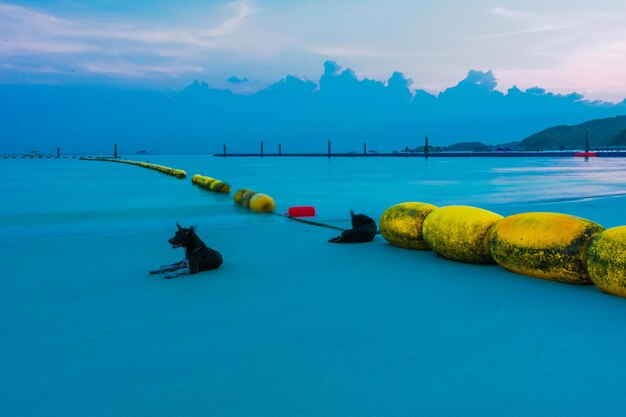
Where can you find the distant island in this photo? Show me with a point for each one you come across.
(603, 134)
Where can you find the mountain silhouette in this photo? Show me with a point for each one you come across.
(601, 133)
(302, 115)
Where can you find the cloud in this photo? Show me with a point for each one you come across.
(133, 70)
(351, 52)
(534, 22)
(28, 31)
(502, 11)
(237, 80)
(546, 28)
(482, 79)
(242, 10)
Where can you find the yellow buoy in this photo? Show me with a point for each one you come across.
(262, 203)
(606, 260)
(211, 184)
(401, 225)
(239, 194)
(460, 233)
(246, 197)
(544, 245)
(220, 187)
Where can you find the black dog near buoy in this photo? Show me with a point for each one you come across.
(363, 230)
(198, 256)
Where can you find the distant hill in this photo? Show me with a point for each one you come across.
(602, 132)
(618, 140)
(480, 147)
(465, 146)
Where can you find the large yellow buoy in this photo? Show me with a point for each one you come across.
(606, 260)
(544, 245)
(460, 233)
(401, 225)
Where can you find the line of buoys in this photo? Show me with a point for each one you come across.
(552, 246)
(257, 202)
(211, 184)
(178, 173)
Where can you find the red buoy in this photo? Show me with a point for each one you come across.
(301, 211)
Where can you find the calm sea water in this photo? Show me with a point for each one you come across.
(69, 196)
(291, 325)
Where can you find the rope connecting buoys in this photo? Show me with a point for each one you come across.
(606, 260)
(544, 245)
(257, 202)
(460, 233)
(211, 184)
(401, 225)
(178, 173)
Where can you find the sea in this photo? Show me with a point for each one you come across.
(68, 195)
(292, 325)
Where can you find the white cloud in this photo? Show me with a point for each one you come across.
(351, 52)
(502, 11)
(136, 70)
(546, 28)
(242, 11)
(558, 44)
(25, 31)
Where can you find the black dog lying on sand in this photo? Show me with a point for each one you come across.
(198, 256)
(363, 230)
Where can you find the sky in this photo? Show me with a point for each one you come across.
(561, 45)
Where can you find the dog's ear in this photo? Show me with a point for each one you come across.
(178, 225)
(352, 214)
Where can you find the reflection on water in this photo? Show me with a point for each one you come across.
(559, 180)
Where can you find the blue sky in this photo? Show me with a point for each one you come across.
(560, 45)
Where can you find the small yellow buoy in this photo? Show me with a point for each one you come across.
(262, 203)
(257, 202)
